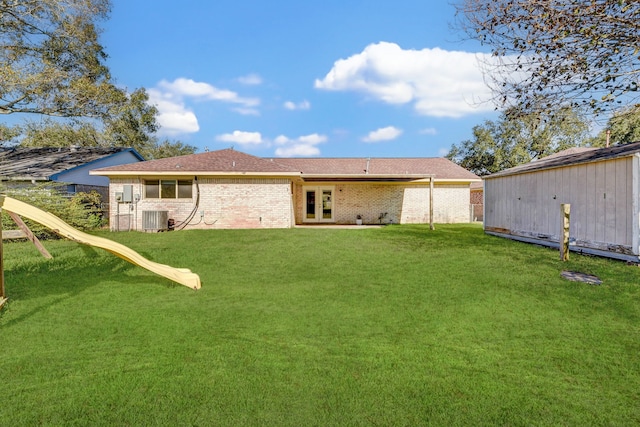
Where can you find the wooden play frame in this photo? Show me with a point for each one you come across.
(15, 208)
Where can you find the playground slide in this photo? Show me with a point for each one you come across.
(179, 275)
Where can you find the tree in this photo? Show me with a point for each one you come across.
(51, 133)
(168, 148)
(8, 134)
(131, 123)
(517, 139)
(50, 60)
(550, 53)
(623, 127)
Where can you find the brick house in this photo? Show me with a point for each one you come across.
(231, 189)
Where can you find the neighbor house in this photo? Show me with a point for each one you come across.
(24, 167)
(602, 187)
(231, 189)
(477, 201)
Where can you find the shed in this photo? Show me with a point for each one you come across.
(602, 187)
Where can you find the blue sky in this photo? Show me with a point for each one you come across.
(298, 78)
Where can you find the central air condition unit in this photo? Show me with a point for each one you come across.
(155, 220)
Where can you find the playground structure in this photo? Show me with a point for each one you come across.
(16, 208)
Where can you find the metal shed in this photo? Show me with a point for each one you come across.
(601, 185)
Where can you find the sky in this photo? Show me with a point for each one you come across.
(285, 78)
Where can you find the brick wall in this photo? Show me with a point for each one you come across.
(392, 203)
(267, 203)
(225, 203)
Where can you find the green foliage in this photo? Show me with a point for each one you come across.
(517, 139)
(397, 326)
(131, 123)
(82, 210)
(8, 134)
(51, 61)
(55, 133)
(547, 54)
(168, 148)
(85, 211)
(624, 127)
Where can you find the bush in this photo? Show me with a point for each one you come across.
(82, 210)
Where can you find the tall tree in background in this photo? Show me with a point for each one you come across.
(515, 139)
(52, 64)
(50, 60)
(623, 127)
(128, 124)
(551, 53)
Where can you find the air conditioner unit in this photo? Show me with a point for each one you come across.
(155, 220)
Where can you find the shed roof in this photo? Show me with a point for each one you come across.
(235, 162)
(24, 163)
(573, 158)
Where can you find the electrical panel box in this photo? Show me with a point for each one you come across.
(127, 193)
(118, 197)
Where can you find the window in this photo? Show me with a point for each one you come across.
(168, 189)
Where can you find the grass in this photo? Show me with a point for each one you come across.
(392, 326)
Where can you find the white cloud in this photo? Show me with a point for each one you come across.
(242, 138)
(250, 79)
(429, 131)
(173, 116)
(302, 146)
(247, 111)
(171, 99)
(438, 82)
(383, 134)
(304, 105)
(190, 88)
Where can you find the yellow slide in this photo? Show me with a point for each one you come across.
(183, 276)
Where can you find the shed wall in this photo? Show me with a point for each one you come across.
(601, 196)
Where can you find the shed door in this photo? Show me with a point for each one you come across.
(318, 204)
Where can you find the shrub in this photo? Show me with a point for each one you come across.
(82, 210)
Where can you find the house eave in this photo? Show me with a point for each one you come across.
(366, 177)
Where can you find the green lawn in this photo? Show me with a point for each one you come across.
(393, 326)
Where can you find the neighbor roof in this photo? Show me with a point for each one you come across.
(23, 163)
(579, 157)
(229, 161)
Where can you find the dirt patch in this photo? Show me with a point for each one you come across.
(575, 276)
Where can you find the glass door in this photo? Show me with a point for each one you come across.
(318, 204)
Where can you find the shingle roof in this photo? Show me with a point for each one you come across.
(581, 156)
(227, 160)
(568, 151)
(231, 161)
(439, 167)
(23, 163)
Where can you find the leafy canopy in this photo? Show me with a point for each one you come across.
(550, 53)
(51, 62)
(516, 139)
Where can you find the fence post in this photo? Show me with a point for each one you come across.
(565, 213)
